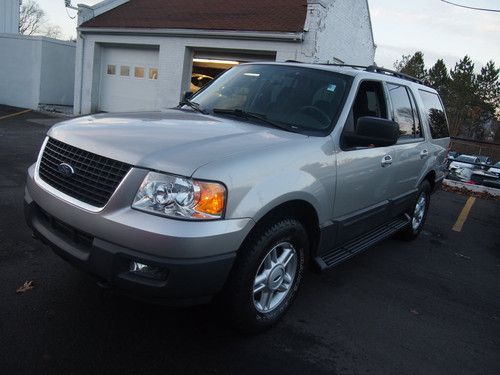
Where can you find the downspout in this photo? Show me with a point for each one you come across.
(85, 13)
(81, 70)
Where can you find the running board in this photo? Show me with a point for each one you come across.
(349, 249)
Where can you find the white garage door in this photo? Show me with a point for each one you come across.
(129, 80)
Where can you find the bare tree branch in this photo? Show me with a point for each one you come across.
(31, 17)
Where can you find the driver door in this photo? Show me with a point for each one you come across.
(364, 175)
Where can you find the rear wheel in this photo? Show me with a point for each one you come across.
(418, 213)
(266, 276)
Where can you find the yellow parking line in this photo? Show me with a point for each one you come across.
(463, 215)
(15, 114)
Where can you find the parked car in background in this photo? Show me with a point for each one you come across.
(452, 155)
(465, 161)
(485, 178)
(462, 167)
(485, 161)
(198, 81)
(495, 168)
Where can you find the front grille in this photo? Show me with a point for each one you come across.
(95, 177)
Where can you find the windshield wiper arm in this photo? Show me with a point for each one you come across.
(253, 116)
(193, 105)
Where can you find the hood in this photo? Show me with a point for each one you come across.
(174, 141)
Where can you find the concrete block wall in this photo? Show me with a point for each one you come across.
(35, 70)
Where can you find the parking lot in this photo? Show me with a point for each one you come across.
(427, 307)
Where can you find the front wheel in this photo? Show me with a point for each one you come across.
(418, 213)
(266, 276)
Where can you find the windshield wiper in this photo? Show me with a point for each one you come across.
(193, 105)
(254, 116)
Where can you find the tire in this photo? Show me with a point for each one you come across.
(284, 239)
(418, 217)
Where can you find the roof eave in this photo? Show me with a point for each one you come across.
(197, 33)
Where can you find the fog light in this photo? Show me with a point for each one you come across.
(145, 270)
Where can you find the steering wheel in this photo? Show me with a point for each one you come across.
(315, 113)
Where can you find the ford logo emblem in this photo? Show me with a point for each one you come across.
(66, 170)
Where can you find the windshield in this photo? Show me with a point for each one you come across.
(496, 165)
(466, 159)
(298, 98)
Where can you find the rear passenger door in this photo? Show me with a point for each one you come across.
(412, 151)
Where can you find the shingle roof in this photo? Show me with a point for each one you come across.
(241, 15)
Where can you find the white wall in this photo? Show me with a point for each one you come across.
(338, 31)
(57, 83)
(9, 16)
(36, 70)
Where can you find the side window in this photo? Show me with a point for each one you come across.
(403, 110)
(418, 127)
(369, 101)
(435, 114)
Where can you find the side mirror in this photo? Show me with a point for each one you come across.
(373, 131)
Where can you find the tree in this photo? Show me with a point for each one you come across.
(472, 100)
(31, 18)
(32, 21)
(463, 100)
(438, 77)
(52, 31)
(412, 65)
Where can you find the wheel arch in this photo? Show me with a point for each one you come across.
(298, 209)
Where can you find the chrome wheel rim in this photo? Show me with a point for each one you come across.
(419, 212)
(275, 277)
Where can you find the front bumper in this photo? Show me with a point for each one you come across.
(196, 256)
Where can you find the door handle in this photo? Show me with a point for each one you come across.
(386, 160)
(424, 154)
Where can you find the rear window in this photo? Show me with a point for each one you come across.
(435, 114)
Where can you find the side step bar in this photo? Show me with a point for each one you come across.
(349, 249)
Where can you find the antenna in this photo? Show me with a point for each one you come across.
(67, 4)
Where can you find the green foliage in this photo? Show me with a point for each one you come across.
(412, 65)
(472, 100)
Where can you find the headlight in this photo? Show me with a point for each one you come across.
(180, 197)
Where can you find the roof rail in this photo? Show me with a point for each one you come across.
(377, 69)
(372, 69)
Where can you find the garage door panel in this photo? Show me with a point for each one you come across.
(129, 80)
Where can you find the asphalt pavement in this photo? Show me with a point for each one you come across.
(431, 306)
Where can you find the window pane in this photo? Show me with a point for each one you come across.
(153, 73)
(139, 72)
(403, 113)
(295, 97)
(416, 116)
(125, 71)
(111, 69)
(435, 114)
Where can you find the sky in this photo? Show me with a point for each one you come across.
(400, 27)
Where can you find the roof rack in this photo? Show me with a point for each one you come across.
(374, 69)
(378, 69)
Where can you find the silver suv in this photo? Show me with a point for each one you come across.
(270, 168)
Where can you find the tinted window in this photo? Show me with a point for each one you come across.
(300, 98)
(403, 110)
(416, 116)
(435, 114)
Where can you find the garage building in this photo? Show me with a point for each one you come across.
(141, 55)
